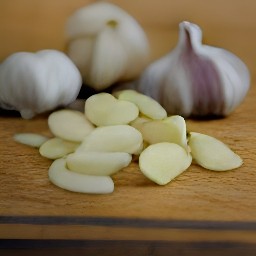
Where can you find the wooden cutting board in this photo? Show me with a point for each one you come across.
(199, 206)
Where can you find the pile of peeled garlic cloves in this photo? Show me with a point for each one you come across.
(88, 148)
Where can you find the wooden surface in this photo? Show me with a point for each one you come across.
(200, 212)
(31, 25)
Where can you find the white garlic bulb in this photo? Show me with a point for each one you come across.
(196, 79)
(106, 44)
(33, 83)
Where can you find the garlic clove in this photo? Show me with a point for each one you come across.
(157, 131)
(34, 83)
(107, 44)
(98, 163)
(55, 148)
(171, 129)
(30, 139)
(113, 138)
(147, 106)
(105, 70)
(180, 123)
(80, 51)
(196, 79)
(70, 125)
(104, 109)
(212, 154)
(139, 121)
(62, 177)
(162, 162)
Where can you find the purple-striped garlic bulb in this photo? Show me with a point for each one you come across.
(196, 79)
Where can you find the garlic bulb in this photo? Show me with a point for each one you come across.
(196, 79)
(106, 44)
(33, 83)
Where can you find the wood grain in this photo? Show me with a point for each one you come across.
(196, 194)
(199, 206)
(200, 211)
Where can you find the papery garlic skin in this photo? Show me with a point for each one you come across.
(196, 79)
(34, 83)
(106, 44)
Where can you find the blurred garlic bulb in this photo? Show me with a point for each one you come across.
(196, 79)
(106, 44)
(33, 83)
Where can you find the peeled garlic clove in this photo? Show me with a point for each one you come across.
(106, 44)
(157, 131)
(69, 125)
(33, 83)
(30, 139)
(212, 154)
(104, 109)
(196, 79)
(60, 176)
(98, 163)
(139, 121)
(164, 161)
(56, 148)
(116, 138)
(171, 129)
(147, 106)
(180, 123)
